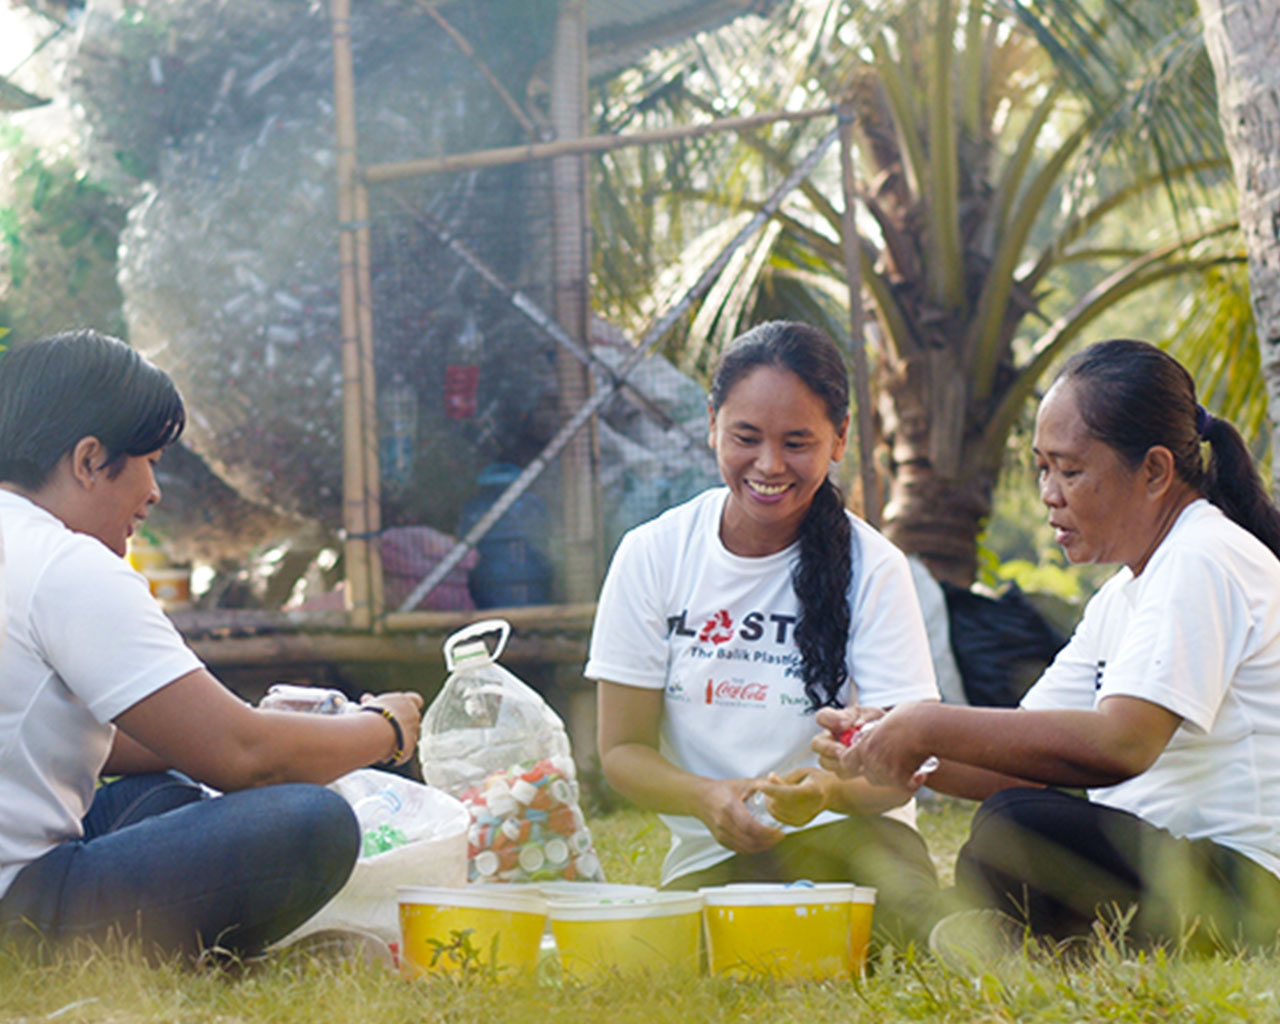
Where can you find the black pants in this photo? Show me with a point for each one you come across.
(1058, 861)
(870, 850)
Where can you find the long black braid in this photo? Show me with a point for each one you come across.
(825, 568)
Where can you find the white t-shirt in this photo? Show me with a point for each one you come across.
(84, 642)
(715, 631)
(1198, 633)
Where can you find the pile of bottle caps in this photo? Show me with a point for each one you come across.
(526, 826)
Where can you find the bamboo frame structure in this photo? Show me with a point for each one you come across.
(382, 174)
(361, 474)
(656, 332)
(361, 518)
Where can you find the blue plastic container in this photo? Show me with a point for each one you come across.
(513, 568)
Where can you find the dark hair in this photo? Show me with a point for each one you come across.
(821, 578)
(57, 391)
(1136, 397)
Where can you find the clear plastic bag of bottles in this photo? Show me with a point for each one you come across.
(494, 743)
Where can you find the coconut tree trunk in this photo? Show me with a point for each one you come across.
(941, 480)
(1241, 36)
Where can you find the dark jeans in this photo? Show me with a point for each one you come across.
(870, 850)
(162, 862)
(1056, 861)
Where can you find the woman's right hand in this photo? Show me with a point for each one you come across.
(722, 808)
(406, 706)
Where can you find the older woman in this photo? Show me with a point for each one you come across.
(1165, 704)
(94, 679)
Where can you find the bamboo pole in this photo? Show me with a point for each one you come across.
(580, 571)
(853, 276)
(369, 409)
(378, 174)
(355, 522)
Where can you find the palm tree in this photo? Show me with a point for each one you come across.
(1241, 39)
(988, 142)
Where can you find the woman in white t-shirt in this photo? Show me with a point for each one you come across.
(95, 680)
(1165, 704)
(725, 622)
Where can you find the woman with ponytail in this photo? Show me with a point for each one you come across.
(726, 622)
(1165, 704)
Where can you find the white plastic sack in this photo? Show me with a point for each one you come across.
(434, 826)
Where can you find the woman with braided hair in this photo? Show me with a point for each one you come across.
(725, 623)
(1164, 705)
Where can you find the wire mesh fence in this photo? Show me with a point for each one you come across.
(471, 429)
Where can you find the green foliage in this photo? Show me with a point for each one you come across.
(58, 236)
(999, 149)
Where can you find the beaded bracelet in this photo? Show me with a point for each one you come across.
(385, 713)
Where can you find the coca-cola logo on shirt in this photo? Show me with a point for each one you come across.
(735, 691)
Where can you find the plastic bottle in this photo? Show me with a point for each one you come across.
(316, 700)
(398, 421)
(758, 805)
(376, 814)
(462, 373)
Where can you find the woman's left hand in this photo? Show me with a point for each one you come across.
(796, 797)
(888, 755)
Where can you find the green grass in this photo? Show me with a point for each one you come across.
(92, 984)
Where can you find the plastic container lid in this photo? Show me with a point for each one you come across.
(658, 904)
(784, 895)
(486, 897)
(592, 891)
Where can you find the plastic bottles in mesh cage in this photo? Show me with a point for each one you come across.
(495, 744)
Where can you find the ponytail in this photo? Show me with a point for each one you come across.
(821, 581)
(1136, 397)
(1231, 482)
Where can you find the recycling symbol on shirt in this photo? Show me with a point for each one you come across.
(718, 628)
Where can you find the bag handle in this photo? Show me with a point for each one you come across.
(477, 629)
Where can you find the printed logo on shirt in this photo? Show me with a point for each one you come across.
(736, 693)
(719, 628)
(1097, 676)
(677, 692)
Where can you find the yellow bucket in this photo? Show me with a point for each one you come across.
(456, 930)
(787, 931)
(657, 932)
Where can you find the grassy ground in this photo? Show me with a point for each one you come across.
(1111, 984)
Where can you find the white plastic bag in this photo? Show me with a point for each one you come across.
(494, 743)
(420, 838)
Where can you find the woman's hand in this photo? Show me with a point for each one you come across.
(835, 753)
(797, 796)
(406, 707)
(891, 754)
(722, 808)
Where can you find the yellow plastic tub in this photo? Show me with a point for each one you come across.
(646, 933)
(455, 930)
(791, 932)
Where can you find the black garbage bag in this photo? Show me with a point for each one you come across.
(1001, 644)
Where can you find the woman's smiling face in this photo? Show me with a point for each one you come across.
(774, 444)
